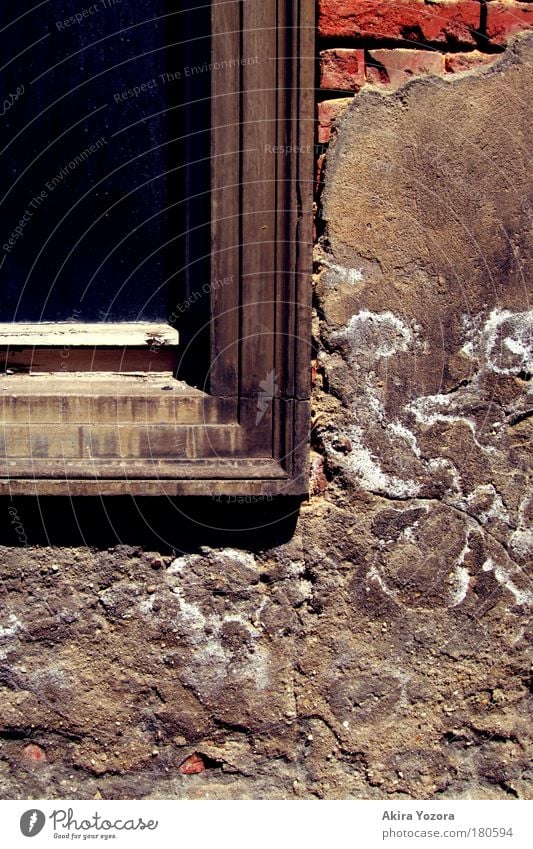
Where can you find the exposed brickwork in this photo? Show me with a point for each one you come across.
(193, 765)
(330, 111)
(458, 62)
(504, 19)
(434, 29)
(447, 22)
(342, 69)
(33, 755)
(392, 68)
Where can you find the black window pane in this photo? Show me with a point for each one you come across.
(95, 168)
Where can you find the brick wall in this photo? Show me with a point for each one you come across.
(385, 42)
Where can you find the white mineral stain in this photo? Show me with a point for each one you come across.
(377, 334)
(505, 576)
(211, 660)
(432, 409)
(495, 510)
(461, 579)
(9, 631)
(373, 574)
(407, 435)
(503, 344)
(257, 664)
(147, 606)
(235, 556)
(368, 471)
(345, 273)
(508, 341)
(54, 677)
(443, 463)
(180, 563)
(403, 679)
(521, 540)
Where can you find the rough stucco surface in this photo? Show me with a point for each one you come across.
(379, 648)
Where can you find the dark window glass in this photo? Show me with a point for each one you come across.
(104, 160)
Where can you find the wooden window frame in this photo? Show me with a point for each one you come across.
(262, 181)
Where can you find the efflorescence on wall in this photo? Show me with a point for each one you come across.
(377, 648)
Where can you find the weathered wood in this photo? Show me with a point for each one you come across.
(259, 212)
(304, 62)
(112, 335)
(64, 347)
(120, 441)
(87, 360)
(226, 176)
(243, 438)
(295, 197)
(48, 399)
(286, 198)
(256, 420)
(242, 470)
(142, 385)
(243, 489)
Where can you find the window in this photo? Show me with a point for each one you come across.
(156, 247)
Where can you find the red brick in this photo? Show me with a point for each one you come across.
(329, 111)
(193, 765)
(505, 19)
(33, 754)
(319, 172)
(441, 22)
(343, 70)
(457, 62)
(318, 480)
(392, 68)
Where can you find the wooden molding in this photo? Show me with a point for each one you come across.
(246, 431)
(112, 335)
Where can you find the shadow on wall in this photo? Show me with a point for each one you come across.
(165, 525)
